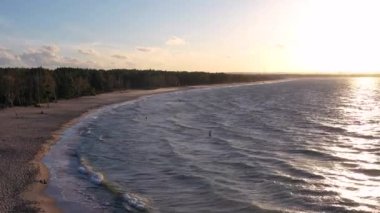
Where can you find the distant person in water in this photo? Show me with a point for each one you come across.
(209, 133)
(44, 181)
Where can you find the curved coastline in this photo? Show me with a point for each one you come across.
(70, 112)
(36, 192)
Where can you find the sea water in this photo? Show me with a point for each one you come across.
(307, 145)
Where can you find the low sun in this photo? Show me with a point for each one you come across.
(339, 36)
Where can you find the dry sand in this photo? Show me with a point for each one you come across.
(26, 135)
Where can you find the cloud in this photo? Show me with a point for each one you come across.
(121, 57)
(89, 52)
(175, 41)
(52, 56)
(53, 49)
(46, 55)
(7, 58)
(144, 49)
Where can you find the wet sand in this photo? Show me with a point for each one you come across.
(27, 133)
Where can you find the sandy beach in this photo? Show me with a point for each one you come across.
(26, 134)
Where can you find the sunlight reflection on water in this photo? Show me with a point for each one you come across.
(311, 145)
(360, 181)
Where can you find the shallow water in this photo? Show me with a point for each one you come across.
(306, 145)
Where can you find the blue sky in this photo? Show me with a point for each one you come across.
(209, 35)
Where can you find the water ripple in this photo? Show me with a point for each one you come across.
(309, 145)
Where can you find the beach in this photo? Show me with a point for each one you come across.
(26, 134)
(264, 146)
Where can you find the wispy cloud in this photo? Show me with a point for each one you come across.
(80, 55)
(90, 52)
(8, 58)
(121, 57)
(45, 55)
(144, 49)
(175, 41)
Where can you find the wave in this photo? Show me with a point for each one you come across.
(270, 148)
(362, 136)
(316, 154)
(368, 172)
(87, 170)
(331, 129)
(299, 172)
(134, 202)
(287, 179)
(130, 201)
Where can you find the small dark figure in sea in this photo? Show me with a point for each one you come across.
(44, 181)
(209, 133)
(146, 117)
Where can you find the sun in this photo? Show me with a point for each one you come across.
(338, 36)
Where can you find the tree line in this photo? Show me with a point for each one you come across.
(31, 86)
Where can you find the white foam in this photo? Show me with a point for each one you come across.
(97, 178)
(82, 170)
(85, 169)
(133, 201)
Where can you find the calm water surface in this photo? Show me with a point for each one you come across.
(306, 145)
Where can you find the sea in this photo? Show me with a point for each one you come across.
(299, 145)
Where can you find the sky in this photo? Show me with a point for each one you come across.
(258, 36)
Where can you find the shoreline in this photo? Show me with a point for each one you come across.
(38, 191)
(69, 116)
(44, 126)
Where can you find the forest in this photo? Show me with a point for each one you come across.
(31, 86)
